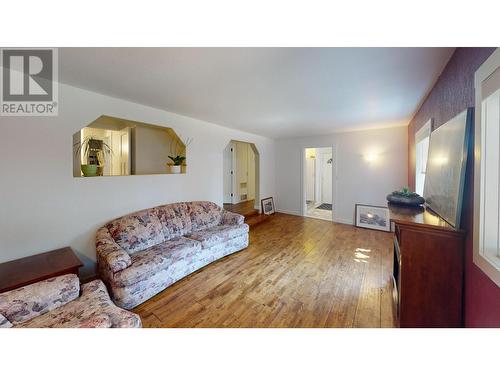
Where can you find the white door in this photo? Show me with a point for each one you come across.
(125, 152)
(310, 178)
(326, 177)
(108, 157)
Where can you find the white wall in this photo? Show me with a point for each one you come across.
(44, 207)
(356, 180)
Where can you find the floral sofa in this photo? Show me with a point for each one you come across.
(141, 254)
(57, 303)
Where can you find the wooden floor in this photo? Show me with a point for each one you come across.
(247, 209)
(297, 272)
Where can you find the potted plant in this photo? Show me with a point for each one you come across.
(178, 160)
(405, 197)
(177, 152)
(95, 151)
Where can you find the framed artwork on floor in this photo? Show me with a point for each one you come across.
(267, 206)
(372, 217)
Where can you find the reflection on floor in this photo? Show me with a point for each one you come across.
(318, 213)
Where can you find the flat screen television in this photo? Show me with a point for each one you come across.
(446, 164)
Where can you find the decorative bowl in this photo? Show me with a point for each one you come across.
(404, 200)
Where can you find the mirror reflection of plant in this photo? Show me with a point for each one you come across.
(177, 147)
(90, 144)
(178, 160)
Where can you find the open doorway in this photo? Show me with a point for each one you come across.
(241, 177)
(318, 183)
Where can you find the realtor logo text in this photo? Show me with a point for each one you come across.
(29, 82)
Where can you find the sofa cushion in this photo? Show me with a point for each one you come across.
(132, 295)
(218, 234)
(87, 311)
(157, 258)
(204, 215)
(137, 231)
(30, 301)
(97, 321)
(175, 220)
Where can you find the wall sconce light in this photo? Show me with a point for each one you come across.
(370, 158)
(440, 160)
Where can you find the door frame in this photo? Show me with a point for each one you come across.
(303, 204)
(234, 188)
(226, 169)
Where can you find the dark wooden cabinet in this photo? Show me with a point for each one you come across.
(428, 269)
(29, 270)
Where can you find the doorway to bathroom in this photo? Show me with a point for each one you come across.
(318, 183)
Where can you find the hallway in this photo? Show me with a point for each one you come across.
(314, 211)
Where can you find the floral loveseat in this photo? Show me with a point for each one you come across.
(57, 303)
(140, 254)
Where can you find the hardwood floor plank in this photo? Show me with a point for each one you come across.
(150, 321)
(296, 272)
(368, 309)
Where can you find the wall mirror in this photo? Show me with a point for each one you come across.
(446, 163)
(111, 146)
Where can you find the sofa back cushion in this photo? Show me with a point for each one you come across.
(27, 302)
(138, 231)
(204, 215)
(175, 220)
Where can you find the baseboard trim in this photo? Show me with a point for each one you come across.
(289, 212)
(342, 221)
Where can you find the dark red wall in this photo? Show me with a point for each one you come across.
(452, 94)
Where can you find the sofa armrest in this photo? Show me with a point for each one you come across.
(109, 253)
(119, 318)
(230, 218)
(25, 303)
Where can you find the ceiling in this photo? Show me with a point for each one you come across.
(276, 92)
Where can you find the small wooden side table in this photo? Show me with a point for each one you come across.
(29, 270)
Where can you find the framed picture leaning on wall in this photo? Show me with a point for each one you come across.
(267, 206)
(372, 217)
